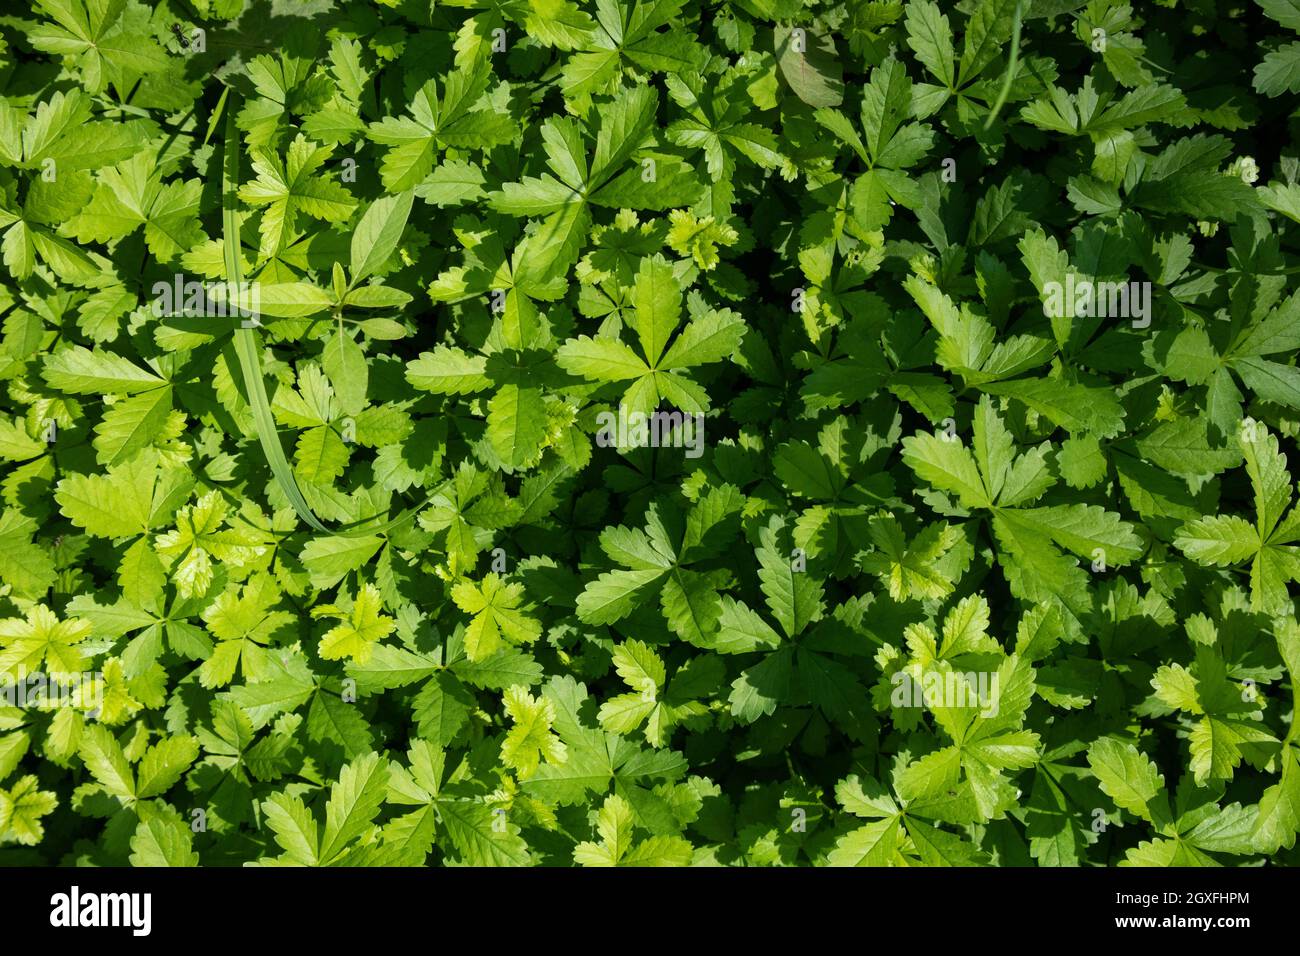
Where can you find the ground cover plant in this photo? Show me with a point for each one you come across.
(670, 432)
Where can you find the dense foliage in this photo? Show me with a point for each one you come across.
(764, 432)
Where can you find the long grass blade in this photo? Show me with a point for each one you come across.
(246, 343)
(1012, 63)
(248, 351)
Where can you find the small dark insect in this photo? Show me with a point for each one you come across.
(195, 40)
(179, 34)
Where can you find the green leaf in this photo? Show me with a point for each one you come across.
(162, 838)
(378, 233)
(83, 371)
(810, 64)
(517, 425)
(354, 801)
(1130, 779)
(106, 762)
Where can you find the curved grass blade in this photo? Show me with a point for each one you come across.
(1012, 63)
(215, 118)
(248, 351)
(246, 344)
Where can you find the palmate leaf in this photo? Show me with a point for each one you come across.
(41, 642)
(293, 188)
(21, 808)
(366, 582)
(98, 36)
(438, 119)
(129, 499)
(353, 802)
(129, 196)
(617, 847)
(656, 373)
(992, 476)
(497, 616)
(530, 740)
(1223, 540)
(159, 770)
(359, 628)
(250, 363)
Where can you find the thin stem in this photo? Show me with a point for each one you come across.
(1012, 63)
